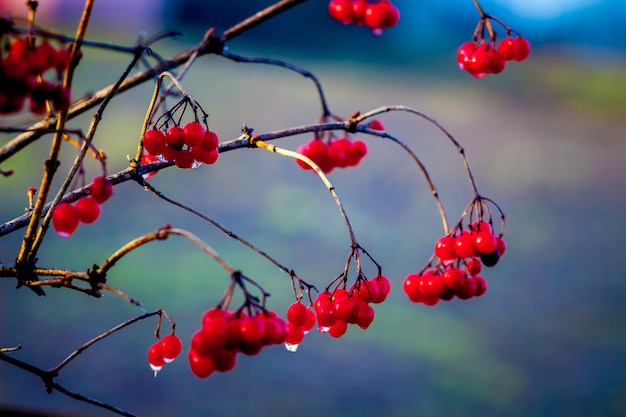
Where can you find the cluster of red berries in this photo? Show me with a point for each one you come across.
(338, 153)
(22, 66)
(461, 259)
(66, 216)
(336, 309)
(378, 16)
(164, 351)
(224, 334)
(187, 146)
(485, 58)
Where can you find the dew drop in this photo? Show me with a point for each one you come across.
(323, 329)
(291, 347)
(155, 369)
(168, 360)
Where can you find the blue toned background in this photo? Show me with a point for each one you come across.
(546, 139)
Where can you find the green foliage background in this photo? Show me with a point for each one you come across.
(546, 140)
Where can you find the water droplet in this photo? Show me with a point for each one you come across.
(291, 347)
(155, 369)
(323, 329)
(168, 360)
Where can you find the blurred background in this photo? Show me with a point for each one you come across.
(546, 140)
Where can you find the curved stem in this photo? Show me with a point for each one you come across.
(272, 148)
(430, 119)
(217, 224)
(422, 168)
(276, 62)
(259, 18)
(161, 234)
(96, 339)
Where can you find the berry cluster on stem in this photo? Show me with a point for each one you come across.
(67, 216)
(23, 65)
(483, 55)
(224, 334)
(461, 254)
(377, 15)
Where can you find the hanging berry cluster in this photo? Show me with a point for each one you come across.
(337, 153)
(378, 15)
(483, 56)
(66, 216)
(461, 255)
(24, 61)
(163, 352)
(225, 333)
(336, 309)
(187, 146)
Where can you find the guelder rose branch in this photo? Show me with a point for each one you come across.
(36, 72)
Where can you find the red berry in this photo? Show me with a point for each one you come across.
(215, 330)
(317, 150)
(325, 317)
(435, 284)
(193, 134)
(445, 248)
(154, 141)
(464, 245)
(169, 154)
(358, 12)
(464, 54)
(336, 154)
(364, 315)
(224, 359)
(304, 150)
(175, 137)
(383, 288)
(343, 308)
(155, 357)
(200, 343)
(297, 314)
(184, 159)
(523, 49)
(341, 10)
(338, 328)
(87, 209)
(204, 156)
(101, 189)
(368, 291)
(507, 48)
(481, 285)
(275, 329)
(295, 334)
(252, 329)
(501, 245)
(376, 125)
(375, 16)
(454, 278)
(65, 219)
(480, 226)
(210, 141)
(171, 347)
(322, 300)
(310, 320)
(485, 242)
(474, 267)
(412, 289)
(467, 290)
(358, 149)
(201, 366)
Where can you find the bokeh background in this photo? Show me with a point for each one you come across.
(546, 139)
